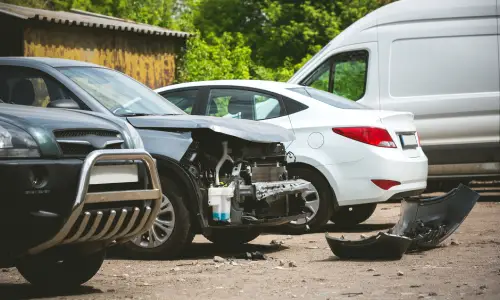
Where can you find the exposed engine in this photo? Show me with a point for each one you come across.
(244, 182)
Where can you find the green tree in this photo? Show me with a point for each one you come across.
(224, 57)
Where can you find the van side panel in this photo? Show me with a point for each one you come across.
(447, 72)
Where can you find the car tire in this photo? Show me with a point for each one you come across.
(347, 216)
(61, 274)
(232, 237)
(151, 245)
(326, 200)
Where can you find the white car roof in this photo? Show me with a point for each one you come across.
(258, 84)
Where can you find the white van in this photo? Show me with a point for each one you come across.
(437, 59)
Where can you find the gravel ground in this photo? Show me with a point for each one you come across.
(303, 267)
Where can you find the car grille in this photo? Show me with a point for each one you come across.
(79, 143)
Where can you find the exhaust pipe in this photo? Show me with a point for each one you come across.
(423, 224)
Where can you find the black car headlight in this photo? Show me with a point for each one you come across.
(15, 142)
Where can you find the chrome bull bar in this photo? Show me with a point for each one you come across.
(84, 226)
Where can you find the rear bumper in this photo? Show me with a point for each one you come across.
(353, 183)
(65, 212)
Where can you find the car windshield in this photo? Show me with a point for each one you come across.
(328, 98)
(120, 94)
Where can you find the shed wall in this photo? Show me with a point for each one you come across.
(149, 59)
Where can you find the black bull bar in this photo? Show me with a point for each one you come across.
(423, 224)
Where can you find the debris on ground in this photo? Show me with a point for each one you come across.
(454, 243)
(432, 294)
(483, 287)
(277, 243)
(423, 224)
(219, 259)
(257, 255)
(352, 294)
(400, 273)
(415, 286)
(292, 264)
(371, 270)
(362, 236)
(312, 247)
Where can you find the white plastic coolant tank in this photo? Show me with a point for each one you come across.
(220, 200)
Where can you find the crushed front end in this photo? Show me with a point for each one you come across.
(244, 183)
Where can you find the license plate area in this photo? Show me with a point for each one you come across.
(108, 174)
(408, 140)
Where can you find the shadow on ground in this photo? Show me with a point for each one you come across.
(27, 291)
(330, 227)
(207, 250)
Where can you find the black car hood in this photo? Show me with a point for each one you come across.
(244, 129)
(53, 118)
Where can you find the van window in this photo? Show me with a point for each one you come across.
(344, 74)
(447, 65)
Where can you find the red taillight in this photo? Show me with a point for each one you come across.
(385, 184)
(369, 135)
(418, 139)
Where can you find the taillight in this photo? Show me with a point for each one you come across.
(369, 135)
(385, 184)
(418, 139)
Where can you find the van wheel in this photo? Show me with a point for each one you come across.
(232, 237)
(320, 201)
(347, 216)
(61, 274)
(171, 232)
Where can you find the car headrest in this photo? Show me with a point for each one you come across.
(4, 91)
(238, 105)
(23, 93)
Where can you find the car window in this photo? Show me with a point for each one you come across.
(25, 86)
(243, 104)
(182, 99)
(328, 98)
(293, 106)
(344, 74)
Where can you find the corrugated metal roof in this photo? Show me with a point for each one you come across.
(83, 18)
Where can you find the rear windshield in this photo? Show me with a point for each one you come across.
(328, 98)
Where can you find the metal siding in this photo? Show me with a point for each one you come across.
(149, 59)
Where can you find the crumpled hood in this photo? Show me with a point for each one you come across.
(245, 129)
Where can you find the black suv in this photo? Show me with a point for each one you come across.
(71, 184)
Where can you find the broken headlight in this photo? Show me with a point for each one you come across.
(15, 142)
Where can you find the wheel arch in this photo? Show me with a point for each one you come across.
(172, 169)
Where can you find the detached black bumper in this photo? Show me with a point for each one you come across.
(423, 224)
(62, 208)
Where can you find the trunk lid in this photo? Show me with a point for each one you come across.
(401, 127)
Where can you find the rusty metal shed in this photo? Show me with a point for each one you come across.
(147, 53)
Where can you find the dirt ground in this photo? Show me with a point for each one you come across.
(467, 269)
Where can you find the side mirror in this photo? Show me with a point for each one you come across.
(64, 103)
